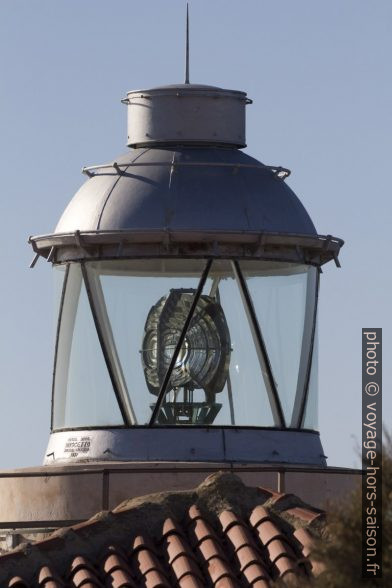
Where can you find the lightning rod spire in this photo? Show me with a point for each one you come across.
(187, 46)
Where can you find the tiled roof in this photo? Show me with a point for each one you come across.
(221, 535)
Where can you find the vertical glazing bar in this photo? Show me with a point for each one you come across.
(300, 413)
(110, 345)
(180, 341)
(307, 337)
(105, 352)
(230, 395)
(65, 335)
(56, 345)
(261, 349)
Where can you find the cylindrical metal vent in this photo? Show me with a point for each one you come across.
(186, 114)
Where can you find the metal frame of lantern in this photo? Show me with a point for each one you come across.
(65, 249)
(96, 246)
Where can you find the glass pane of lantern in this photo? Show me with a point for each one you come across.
(219, 380)
(146, 303)
(244, 398)
(283, 296)
(311, 412)
(83, 392)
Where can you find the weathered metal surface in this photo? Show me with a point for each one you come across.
(186, 197)
(186, 114)
(231, 444)
(185, 202)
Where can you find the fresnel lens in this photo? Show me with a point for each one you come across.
(202, 362)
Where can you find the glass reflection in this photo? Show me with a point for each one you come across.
(284, 297)
(244, 398)
(131, 290)
(146, 315)
(311, 410)
(58, 285)
(83, 391)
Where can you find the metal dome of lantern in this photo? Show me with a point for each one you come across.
(188, 276)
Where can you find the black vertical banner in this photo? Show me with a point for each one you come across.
(372, 453)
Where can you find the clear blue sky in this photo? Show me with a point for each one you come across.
(320, 77)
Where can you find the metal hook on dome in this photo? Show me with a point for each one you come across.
(35, 259)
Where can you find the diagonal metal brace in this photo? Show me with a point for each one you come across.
(180, 341)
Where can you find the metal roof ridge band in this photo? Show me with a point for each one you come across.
(280, 172)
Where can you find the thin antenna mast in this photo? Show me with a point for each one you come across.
(187, 46)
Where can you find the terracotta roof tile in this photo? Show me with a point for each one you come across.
(180, 556)
(279, 545)
(116, 570)
(279, 497)
(221, 535)
(269, 532)
(83, 574)
(217, 568)
(46, 579)
(249, 559)
(17, 582)
(306, 540)
(280, 549)
(147, 564)
(305, 514)
(293, 506)
(258, 515)
(271, 493)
